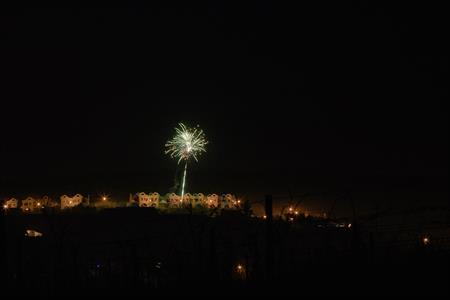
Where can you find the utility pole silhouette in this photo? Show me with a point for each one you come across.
(269, 237)
(2, 247)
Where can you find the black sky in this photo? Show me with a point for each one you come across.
(326, 94)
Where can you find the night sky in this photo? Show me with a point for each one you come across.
(326, 96)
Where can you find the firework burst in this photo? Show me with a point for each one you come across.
(186, 144)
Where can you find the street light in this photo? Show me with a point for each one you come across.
(241, 272)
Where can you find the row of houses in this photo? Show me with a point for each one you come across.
(171, 200)
(225, 201)
(31, 204)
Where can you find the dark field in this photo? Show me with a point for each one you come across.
(131, 251)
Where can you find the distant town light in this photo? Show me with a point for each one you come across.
(349, 225)
(240, 271)
(5, 206)
(296, 212)
(426, 240)
(290, 209)
(240, 268)
(264, 217)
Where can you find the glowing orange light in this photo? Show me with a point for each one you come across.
(5, 206)
(426, 240)
(264, 217)
(240, 268)
(290, 209)
(296, 212)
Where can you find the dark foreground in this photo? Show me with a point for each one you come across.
(130, 252)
